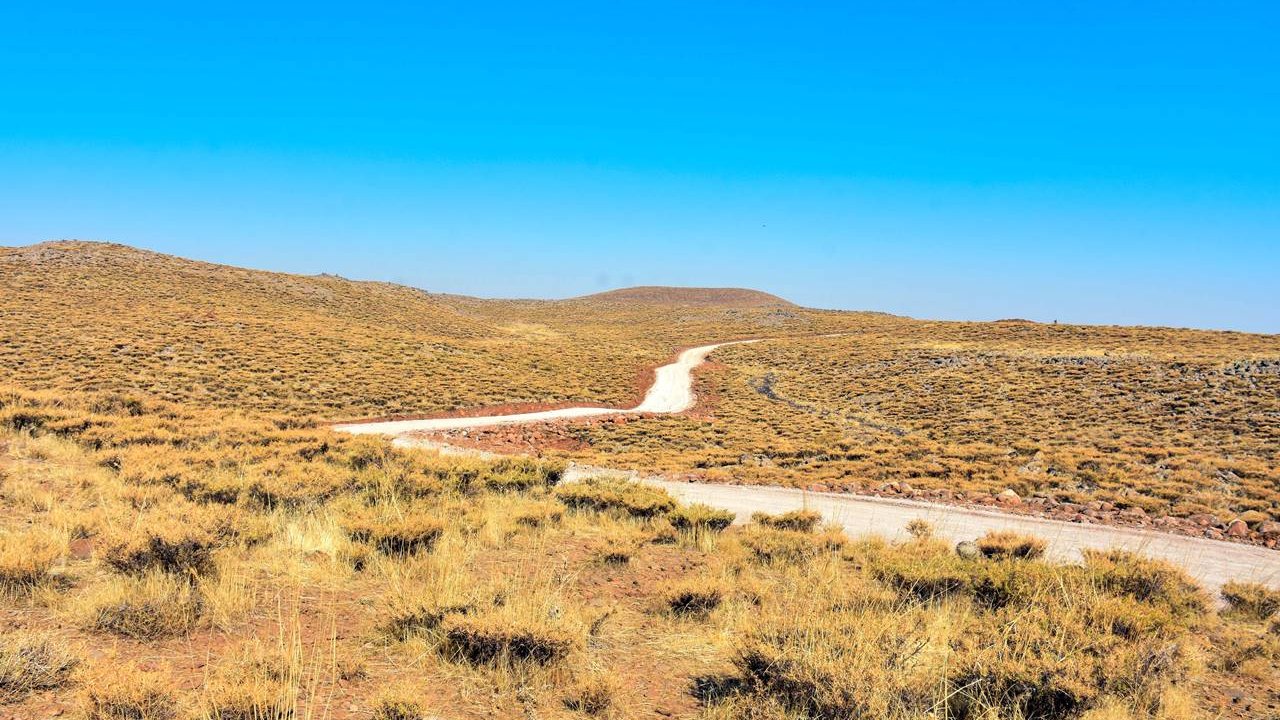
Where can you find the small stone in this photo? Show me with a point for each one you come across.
(1009, 497)
(968, 550)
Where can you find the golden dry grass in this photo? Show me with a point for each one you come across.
(90, 316)
(180, 539)
(1147, 421)
(299, 609)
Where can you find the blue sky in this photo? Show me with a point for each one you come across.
(1106, 162)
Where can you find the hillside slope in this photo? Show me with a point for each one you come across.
(713, 297)
(91, 316)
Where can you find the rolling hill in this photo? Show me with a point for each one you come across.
(180, 539)
(92, 316)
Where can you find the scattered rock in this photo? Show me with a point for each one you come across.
(1238, 528)
(1009, 497)
(1270, 528)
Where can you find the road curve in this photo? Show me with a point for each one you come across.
(671, 392)
(1210, 562)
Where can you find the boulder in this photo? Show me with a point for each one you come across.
(1270, 528)
(1238, 528)
(1008, 497)
(968, 550)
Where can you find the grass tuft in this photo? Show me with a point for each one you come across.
(798, 520)
(32, 663)
(1003, 544)
(1251, 600)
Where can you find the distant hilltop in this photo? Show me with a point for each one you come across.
(705, 297)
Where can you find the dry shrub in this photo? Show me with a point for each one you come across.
(521, 474)
(836, 665)
(697, 597)
(26, 558)
(1007, 544)
(630, 498)
(484, 640)
(920, 529)
(1150, 581)
(1068, 654)
(250, 699)
(424, 615)
(926, 579)
(1251, 600)
(398, 705)
(397, 534)
(30, 663)
(126, 693)
(592, 694)
(799, 520)
(538, 514)
(789, 546)
(699, 517)
(177, 544)
(527, 624)
(153, 606)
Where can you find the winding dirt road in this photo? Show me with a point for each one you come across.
(671, 392)
(1212, 562)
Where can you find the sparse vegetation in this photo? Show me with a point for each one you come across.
(166, 555)
(1131, 424)
(510, 597)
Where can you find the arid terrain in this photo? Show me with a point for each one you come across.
(183, 534)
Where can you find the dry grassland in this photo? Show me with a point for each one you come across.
(159, 561)
(1152, 422)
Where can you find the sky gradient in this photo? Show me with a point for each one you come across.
(1105, 163)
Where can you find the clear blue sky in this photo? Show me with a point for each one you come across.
(1100, 162)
